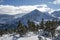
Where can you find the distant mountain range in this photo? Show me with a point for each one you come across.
(34, 15)
(56, 13)
(37, 16)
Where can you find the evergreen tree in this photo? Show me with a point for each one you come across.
(47, 25)
(32, 26)
(21, 29)
(51, 26)
(59, 23)
(1, 33)
(42, 24)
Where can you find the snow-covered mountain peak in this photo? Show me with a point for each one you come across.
(36, 10)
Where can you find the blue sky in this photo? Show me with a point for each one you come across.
(29, 2)
(53, 4)
(24, 2)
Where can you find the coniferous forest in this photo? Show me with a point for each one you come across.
(47, 26)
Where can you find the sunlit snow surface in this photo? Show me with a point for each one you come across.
(16, 37)
(28, 36)
(8, 37)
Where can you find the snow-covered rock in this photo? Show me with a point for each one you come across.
(58, 28)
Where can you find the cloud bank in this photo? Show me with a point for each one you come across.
(57, 2)
(12, 10)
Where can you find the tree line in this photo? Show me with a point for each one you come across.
(21, 29)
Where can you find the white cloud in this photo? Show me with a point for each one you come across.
(8, 9)
(56, 2)
(26, 9)
(43, 8)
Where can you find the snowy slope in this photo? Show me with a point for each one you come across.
(16, 37)
(29, 38)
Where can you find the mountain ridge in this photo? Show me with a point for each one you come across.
(36, 15)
